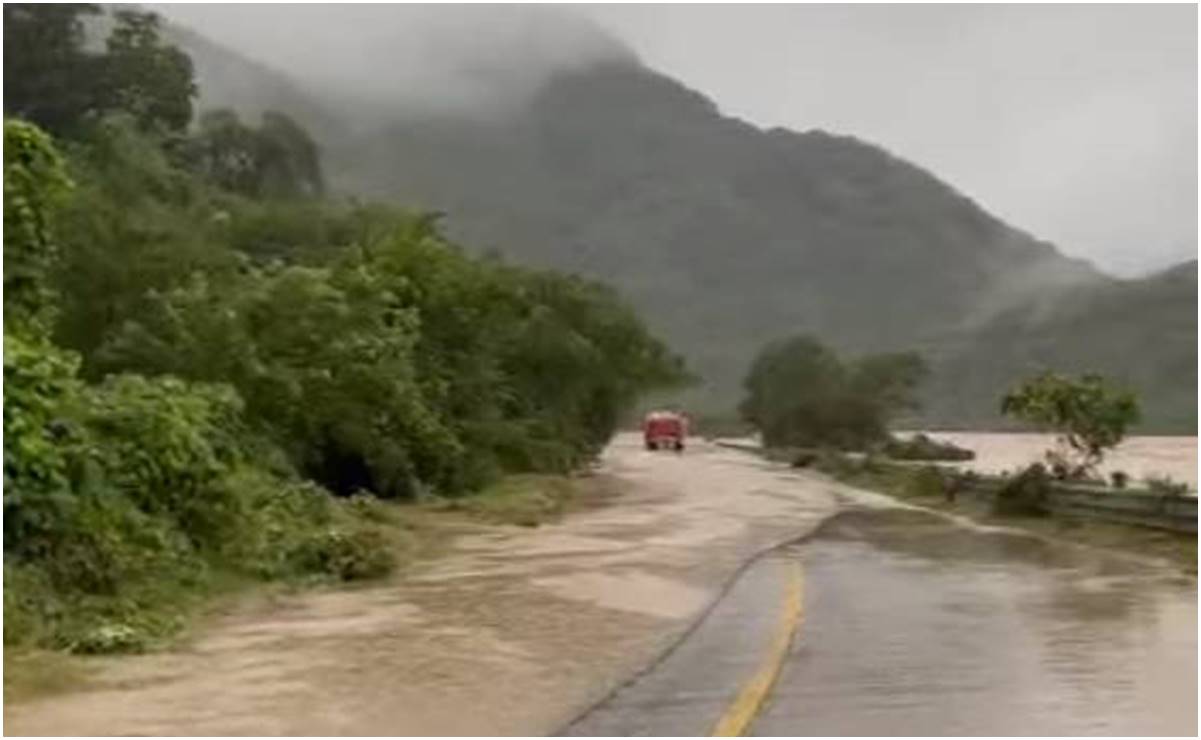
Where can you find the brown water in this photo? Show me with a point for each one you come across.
(919, 626)
(512, 631)
(1138, 456)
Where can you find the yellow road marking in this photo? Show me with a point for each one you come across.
(746, 705)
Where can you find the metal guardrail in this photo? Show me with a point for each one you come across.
(1177, 513)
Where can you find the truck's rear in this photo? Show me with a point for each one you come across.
(664, 431)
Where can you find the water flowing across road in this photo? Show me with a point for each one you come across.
(919, 624)
(901, 622)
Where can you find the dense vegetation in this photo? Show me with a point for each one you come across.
(1089, 415)
(799, 393)
(727, 236)
(200, 349)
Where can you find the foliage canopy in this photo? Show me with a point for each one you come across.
(200, 348)
(799, 393)
(1089, 414)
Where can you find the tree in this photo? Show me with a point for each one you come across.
(277, 160)
(146, 78)
(134, 223)
(34, 181)
(225, 152)
(53, 80)
(48, 77)
(787, 382)
(1089, 414)
(289, 161)
(800, 393)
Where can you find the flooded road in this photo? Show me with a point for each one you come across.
(919, 626)
(509, 631)
(908, 624)
(914, 624)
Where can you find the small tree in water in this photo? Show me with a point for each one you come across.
(1089, 414)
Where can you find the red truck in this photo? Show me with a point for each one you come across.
(664, 430)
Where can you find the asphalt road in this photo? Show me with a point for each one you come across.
(881, 621)
(914, 624)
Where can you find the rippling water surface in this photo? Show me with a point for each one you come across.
(916, 626)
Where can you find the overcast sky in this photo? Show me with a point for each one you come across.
(1077, 123)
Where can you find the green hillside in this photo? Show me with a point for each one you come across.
(726, 235)
(1141, 332)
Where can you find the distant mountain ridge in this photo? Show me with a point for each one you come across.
(726, 236)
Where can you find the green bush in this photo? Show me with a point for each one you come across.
(369, 508)
(165, 444)
(30, 604)
(347, 553)
(296, 529)
(926, 481)
(35, 181)
(42, 445)
(1025, 494)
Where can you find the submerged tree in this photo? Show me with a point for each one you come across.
(1089, 414)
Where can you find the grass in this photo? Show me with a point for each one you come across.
(521, 500)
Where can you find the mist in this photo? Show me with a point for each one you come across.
(401, 59)
(1075, 123)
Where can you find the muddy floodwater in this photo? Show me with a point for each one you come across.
(913, 623)
(1138, 456)
(916, 625)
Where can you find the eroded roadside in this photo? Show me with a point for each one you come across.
(511, 631)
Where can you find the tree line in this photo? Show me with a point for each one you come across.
(799, 393)
(201, 346)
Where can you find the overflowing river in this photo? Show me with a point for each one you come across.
(1139, 457)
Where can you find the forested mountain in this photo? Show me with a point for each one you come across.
(1143, 332)
(726, 235)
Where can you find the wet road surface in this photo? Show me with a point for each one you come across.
(508, 631)
(914, 624)
(910, 625)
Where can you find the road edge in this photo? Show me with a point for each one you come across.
(674, 642)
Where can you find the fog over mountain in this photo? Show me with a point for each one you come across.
(1076, 122)
(388, 59)
(547, 140)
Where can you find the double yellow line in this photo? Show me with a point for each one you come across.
(738, 716)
